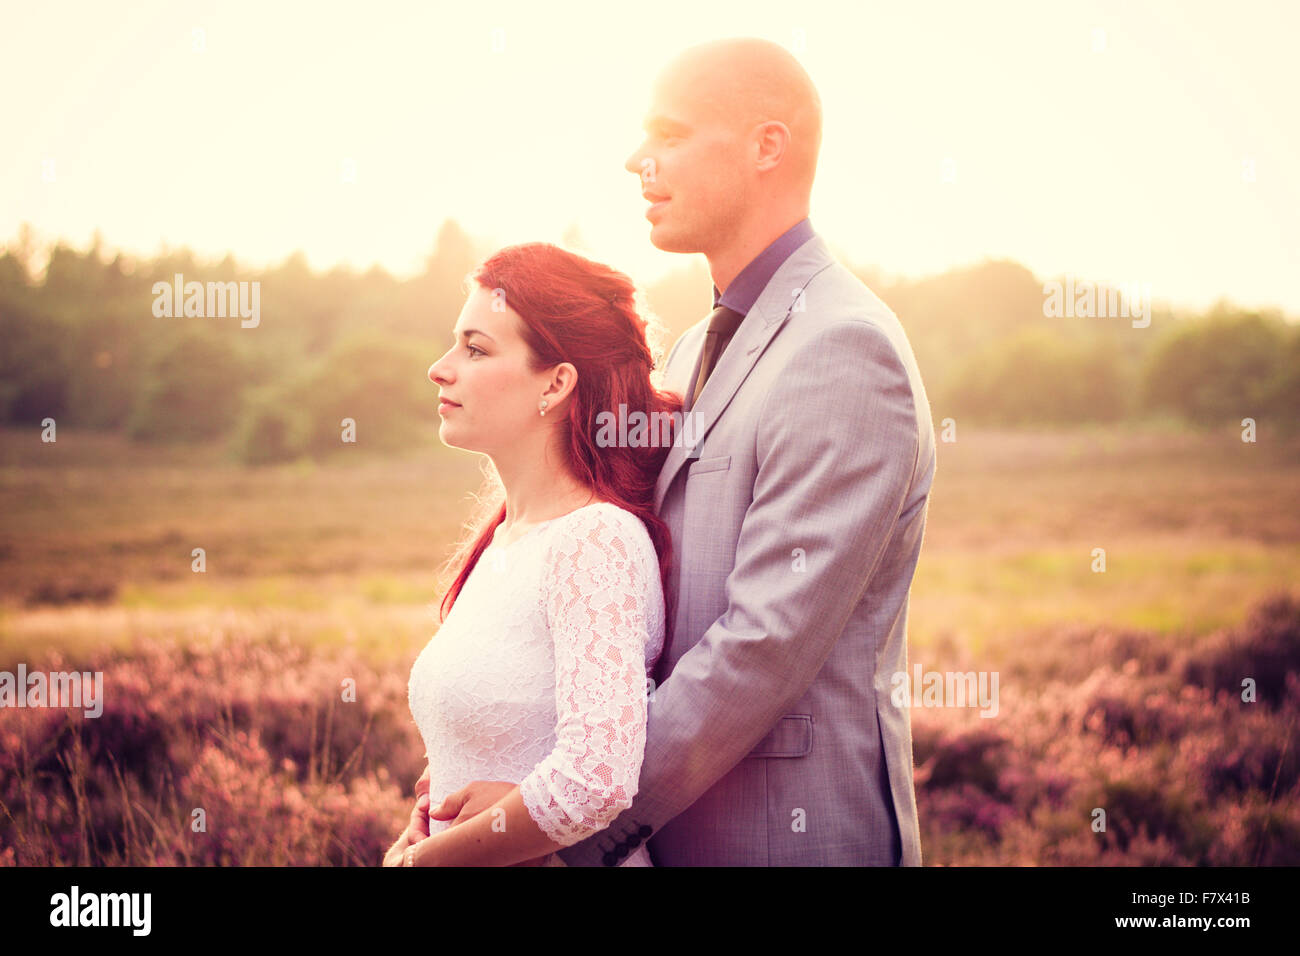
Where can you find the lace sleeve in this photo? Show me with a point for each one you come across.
(596, 608)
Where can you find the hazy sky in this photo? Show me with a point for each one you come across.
(1128, 142)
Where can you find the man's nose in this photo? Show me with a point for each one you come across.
(633, 163)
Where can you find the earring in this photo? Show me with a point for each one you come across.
(542, 408)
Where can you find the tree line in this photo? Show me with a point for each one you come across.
(83, 341)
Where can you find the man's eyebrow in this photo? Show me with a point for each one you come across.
(468, 332)
(665, 124)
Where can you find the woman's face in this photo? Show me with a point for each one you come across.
(486, 375)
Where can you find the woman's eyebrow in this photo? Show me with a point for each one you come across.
(468, 332)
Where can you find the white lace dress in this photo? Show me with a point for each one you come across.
(539, 673)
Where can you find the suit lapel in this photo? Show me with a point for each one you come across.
(761, 324)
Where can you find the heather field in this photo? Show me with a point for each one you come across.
(226, 738)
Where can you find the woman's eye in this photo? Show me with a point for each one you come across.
(475, 350)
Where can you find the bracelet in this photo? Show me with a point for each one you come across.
(408, 858)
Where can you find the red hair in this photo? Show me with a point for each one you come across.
(585, 313)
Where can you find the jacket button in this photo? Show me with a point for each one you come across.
(634, 840)
(609, 859)
(645, 830)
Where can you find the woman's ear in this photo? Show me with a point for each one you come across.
(564, 379)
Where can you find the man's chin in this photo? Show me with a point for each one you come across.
(671, 241)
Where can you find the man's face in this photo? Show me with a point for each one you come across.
(692, 169)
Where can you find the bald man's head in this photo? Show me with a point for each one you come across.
(730, 152)
(745, 81)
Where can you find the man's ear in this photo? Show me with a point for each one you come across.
(773, 141)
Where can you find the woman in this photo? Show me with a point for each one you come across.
(557, 615)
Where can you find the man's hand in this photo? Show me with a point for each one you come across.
(472, 800)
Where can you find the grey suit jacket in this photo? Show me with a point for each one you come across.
(796, 521)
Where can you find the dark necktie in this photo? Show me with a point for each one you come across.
(722, 326)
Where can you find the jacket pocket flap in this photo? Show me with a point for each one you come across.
(791, 737)
(721, 463)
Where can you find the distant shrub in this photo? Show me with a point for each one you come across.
(1224, 367)
(377, 381)
(34, 365)
(271, 428)
(191, 389)
(73, 590)
(1038, 377)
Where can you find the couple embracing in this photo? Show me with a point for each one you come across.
(681, 654)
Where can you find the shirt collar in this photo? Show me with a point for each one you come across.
(753, 279)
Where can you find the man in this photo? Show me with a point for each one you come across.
(796, 517)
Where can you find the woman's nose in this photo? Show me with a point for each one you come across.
(434, 375)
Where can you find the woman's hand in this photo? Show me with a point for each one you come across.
(422, 785)
(417, 828)
(394, 855)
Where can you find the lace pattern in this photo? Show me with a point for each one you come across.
(539, 672)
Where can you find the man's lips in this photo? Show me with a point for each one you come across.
(656, 203)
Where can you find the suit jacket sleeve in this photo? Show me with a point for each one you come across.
(836, 455)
